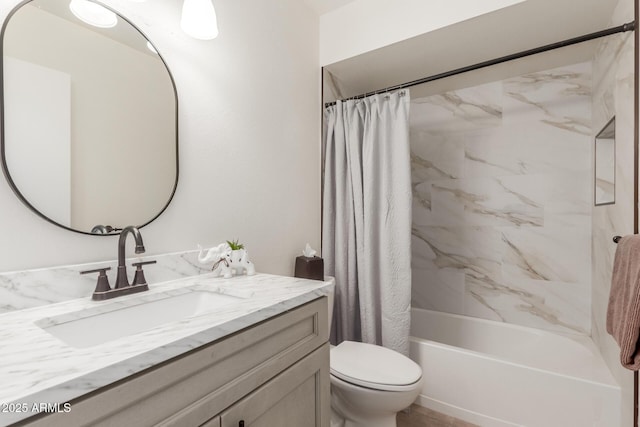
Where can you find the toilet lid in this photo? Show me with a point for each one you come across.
(373, 366)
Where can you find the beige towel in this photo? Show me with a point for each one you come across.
(623, 313)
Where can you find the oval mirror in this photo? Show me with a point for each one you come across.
(89, 119)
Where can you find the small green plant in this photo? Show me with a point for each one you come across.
(235, 245)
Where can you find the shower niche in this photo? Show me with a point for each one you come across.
(605, 165)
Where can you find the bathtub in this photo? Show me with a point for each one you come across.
(495, 374)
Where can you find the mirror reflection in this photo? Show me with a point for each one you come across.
(90, 128)
(605, 165)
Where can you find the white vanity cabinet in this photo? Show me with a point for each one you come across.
(273, 374)
(290, 399)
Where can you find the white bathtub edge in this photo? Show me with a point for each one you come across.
(496, 388)
(608, 382)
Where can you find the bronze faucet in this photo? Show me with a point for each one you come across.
(123, 287)
(121, 278)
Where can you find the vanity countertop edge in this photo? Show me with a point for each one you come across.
(37, 368)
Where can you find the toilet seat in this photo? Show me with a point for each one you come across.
(374, 367)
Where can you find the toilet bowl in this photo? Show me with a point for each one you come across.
(370, 384)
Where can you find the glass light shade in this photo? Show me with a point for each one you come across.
(199, 19)
(93, 14)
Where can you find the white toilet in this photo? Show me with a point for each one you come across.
(370, 384)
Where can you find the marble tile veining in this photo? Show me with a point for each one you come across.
(560, 98)
(502, 200)
(470, 108)
(33, 288)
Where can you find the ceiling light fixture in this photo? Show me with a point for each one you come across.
(93, 13)
(199, 19)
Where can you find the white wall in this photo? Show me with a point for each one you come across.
(365, 25)
(249, 126)
(39, 95)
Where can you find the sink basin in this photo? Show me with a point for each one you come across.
(91, 330)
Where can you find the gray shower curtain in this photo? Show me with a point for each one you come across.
(366, 235)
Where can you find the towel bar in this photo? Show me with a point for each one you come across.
(616, 239)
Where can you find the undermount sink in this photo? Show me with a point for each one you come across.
(97, 329)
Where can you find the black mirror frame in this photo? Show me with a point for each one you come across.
(3, 161)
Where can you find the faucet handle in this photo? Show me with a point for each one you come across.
(138, 278)
(103, 282)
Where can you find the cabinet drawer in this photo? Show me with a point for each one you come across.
(190, 389)
(297, 397)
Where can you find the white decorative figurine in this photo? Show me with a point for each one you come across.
(228, 258)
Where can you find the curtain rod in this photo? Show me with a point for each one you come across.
(619, 29)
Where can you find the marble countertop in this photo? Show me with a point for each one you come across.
(37, 368)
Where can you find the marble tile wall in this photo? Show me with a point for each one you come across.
(502, 185)
(613, 96)
(32, 288)
(613, 93)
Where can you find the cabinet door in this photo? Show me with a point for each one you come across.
(297, 397)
